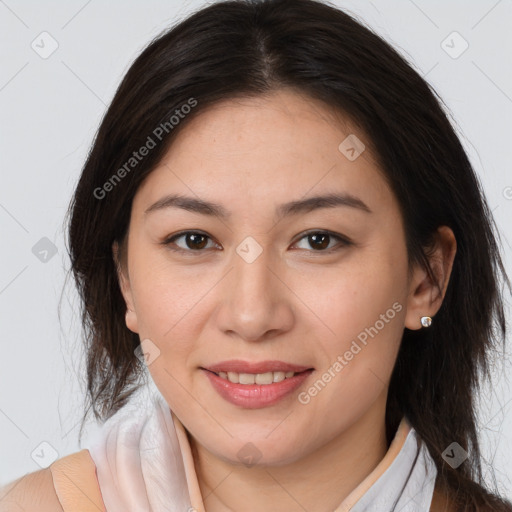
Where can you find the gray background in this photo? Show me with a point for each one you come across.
(50, 110)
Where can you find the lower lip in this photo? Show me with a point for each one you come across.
(256, 396)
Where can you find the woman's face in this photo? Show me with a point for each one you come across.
(249, 292)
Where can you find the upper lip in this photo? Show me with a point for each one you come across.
(239, 366)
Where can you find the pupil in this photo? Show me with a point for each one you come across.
(194, 237)
(315, 238)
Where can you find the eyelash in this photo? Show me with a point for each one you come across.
(342, 241)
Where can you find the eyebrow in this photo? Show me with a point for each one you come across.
(310, 204)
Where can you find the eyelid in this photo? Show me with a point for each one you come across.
(343, 241)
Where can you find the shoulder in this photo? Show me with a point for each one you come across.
(70, 483)
(34, 491)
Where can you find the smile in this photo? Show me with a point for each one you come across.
(255, 385)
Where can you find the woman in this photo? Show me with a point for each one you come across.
(277, 219)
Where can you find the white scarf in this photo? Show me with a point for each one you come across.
(144, 464)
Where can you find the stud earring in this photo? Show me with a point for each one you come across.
(426, 321)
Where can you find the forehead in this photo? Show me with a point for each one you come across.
(252, 152)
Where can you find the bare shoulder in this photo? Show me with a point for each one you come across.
(34, 491)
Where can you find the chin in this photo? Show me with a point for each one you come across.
(257, 452)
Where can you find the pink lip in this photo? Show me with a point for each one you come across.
(256, 396)
(239, 366)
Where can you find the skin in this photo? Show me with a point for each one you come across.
(295, 303)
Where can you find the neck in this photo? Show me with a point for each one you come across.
(331, 473)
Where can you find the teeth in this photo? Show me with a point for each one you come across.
(233, 377)
(264, 378)
(246, 378)
(256, 378)
(279, 376)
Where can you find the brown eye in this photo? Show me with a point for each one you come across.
(192, 241)
(195, 241)
(321, 241)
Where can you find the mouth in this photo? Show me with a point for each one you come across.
(263, 373)
(255, 385)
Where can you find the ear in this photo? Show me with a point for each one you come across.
(426, 296)
(124, 285)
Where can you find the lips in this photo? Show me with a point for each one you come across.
(254, 385)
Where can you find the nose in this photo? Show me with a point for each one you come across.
(256, 303)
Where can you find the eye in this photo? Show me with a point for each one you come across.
(193, 241)
(320, 241)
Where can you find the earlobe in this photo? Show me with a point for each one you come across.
(124, 285)
(131, 321)
(426, 294)
(421, 300)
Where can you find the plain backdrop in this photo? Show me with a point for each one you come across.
(51, 106)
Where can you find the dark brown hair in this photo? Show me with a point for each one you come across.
(248, 48)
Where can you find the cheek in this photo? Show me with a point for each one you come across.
(165, 294)
(166, 316)
(166, 302)
(366, 316)
(353, 296)
(362, 307)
